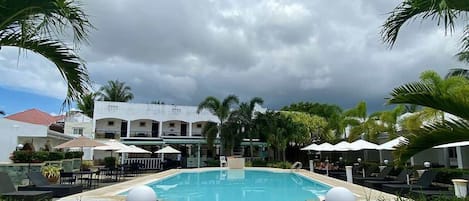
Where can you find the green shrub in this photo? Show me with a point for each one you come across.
(56, 156)
(259, 163)
(40, 156)
(73, 154)
(213, 163)
(110, 162)
(446, 174)
(248, 164)
(86, 165)
(21, 156)
(280, 164)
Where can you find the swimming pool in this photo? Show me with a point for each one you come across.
(238, 185)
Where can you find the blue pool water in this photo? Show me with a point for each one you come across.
(238, 185)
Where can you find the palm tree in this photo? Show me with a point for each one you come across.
(37, 26)
(445, 12)
(86, 103)
(209, 131)
(447, 95)
(362, 124)
(245, 116)
(2, 112)
(219, 109)
(115, 91)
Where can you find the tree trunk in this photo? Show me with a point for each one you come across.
(283, 155)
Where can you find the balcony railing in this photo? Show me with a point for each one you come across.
(143, 134)
(107, 134)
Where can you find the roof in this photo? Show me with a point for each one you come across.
(35, 116)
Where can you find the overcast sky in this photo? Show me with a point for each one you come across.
(287, 51)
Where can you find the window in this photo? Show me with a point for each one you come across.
(171, 125)
(110, 123)
(78, 131)
(142, 124)
(199, 125)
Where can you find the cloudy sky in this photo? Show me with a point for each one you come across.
(284, 51)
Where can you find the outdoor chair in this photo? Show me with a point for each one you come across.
(8, 191)
(424, 183)
(435, 193)
(400, 179)
(381, 176)
(67, 178)
(40, 183)
(223, 161)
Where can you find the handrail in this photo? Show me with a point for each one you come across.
(297, 165)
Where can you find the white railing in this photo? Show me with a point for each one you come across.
(148, 163)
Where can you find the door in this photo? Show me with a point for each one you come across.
(124, 129)
(183, 129)
(155, 128)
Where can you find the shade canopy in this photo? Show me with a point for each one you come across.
(362, 144)
(168, 150)
(111, 145)
(81, 141)
(454, 144)
(310, 147)
(325, 147)
(133, 149)
(392, 144)
(343, 146)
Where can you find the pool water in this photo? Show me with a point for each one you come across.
(238, 185)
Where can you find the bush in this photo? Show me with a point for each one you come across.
(86, 165)
(21, 156)
(280, 164)
(259, 163)
(40, 156)
(446, 174)
(110, 162)
(56, 156)
(73, 154)
(213, 163)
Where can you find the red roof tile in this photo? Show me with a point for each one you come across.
(35, 116)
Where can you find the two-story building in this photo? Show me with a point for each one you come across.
(150, 126)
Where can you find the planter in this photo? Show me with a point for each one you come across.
(53, 180)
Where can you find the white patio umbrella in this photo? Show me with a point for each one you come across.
(133, 149)
(309, 147)
(167, 150)
(111, 145)
(343, 146)
(324, 147)
(391, 145)
(362, 145)
(458, 146)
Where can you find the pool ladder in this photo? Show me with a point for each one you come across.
(297, 165)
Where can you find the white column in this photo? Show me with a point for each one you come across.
(190, 129)
(348, 173)
(128, 128)
(218, 134)
(459, 157)
(160, 129)
(198, 155)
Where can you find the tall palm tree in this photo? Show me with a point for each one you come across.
(245, 115)
(38, 25)
(209, 131)
(220, 109)
(444, 12)
(115, 91)
(86, 103)
(447, 95)
(361, 123)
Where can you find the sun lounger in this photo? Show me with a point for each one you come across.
(380, 177)
(424, 183)
(400, 179)
(8, 191)
(40, 183)
(434, 194)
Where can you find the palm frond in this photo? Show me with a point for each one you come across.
(70, 66)
(209, 131)
(210, 103)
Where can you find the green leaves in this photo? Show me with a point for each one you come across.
(115, 91)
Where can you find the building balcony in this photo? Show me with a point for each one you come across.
(143, 134)
(107, 134)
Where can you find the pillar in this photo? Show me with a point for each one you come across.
(459, 157)
(160, 129)
(128, 128)
(190, 129)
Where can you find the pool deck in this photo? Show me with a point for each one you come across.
(110, 193)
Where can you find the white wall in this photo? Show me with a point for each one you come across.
(11, 130)
(135, 125)
(103, 124)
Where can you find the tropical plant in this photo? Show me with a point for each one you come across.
(51, 172)
(86, 103)
(389, 120)
(210, 131)
(115, 91)
(38, 26)
(362, 124)
(446, 95)
(219, 109)
(310, 128)
(445, 12)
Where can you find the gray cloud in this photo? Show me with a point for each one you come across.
(284, 51)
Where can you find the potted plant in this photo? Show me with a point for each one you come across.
(51, 172)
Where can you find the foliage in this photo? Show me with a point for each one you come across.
(446, 174)
(445, 12)
(280, 164)
(309, 127)
(213, 163)
(40, 156)
(21, 156)
(86, 164)
(210, 131)
(56, 156)
(259, 163)
(73, 154)
(110, 162)
(363, 124)
(38, 26)
(115, 91)
(446, 95)
(86, 103)
(50, 171)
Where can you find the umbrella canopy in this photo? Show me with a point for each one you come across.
(362, 144)
(168, 150)
(81, 141)
(309, 147)
(111, 145)
(343, 146)
(454, 144)
(325, 147)
(392, 144)
(133, 149)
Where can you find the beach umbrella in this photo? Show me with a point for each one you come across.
(392, 144)
(362, 145)
(324, 147)
(133, 149)
(80, 142)
(343, 146)
(168, 150)
(309, 147)
(111, 145)
(458, 146)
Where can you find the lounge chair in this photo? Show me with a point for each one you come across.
(433, 194)
(380, 177)
(40, 183)
(400, 179)
(8, 191)
(424, 183)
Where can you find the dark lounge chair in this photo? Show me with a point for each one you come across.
(433, 194)
(8, 191)
(42, 184)
(424, 183)
(380, 177)
(400, 179)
